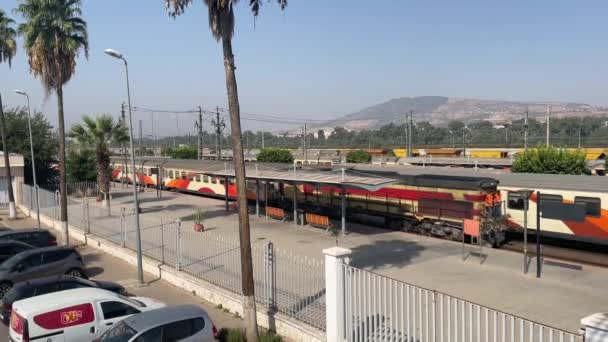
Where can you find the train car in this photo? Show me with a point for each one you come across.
(593, 229)
(425, 204)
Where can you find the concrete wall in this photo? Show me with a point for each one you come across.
(287, 327)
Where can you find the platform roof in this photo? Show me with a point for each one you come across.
(273, 172)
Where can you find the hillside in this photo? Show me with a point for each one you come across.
(439, 110)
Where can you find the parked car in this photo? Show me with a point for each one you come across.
(9, 248)
(40, 262)
(73, 315)
(39, 287)
(183, 323)
(34, 237)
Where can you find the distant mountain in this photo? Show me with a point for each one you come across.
(439, 110)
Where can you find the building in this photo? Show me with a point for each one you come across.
(17, 166)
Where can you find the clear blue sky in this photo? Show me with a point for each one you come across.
(323, 59)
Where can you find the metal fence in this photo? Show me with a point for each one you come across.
(284, 282)
(378, 308)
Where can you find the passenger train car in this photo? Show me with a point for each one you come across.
(424, 200)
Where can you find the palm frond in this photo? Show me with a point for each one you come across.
(53, 35)
(8, 44)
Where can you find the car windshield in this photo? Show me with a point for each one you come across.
(119, 333)
(133, 301)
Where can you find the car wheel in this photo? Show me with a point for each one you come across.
(75, 273)
(4, 288)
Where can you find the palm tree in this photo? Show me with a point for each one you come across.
(53, 35)
(221, 24)
(97, 133)
(8, 48)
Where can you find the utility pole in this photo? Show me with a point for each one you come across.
(579, 133)
(548, 121)
(406, 129)
(305, 142)
(199, 125)
(410, 129)
(464, 141)
(526, 132)
(303, 145)
(140, 138)
(124, 148)
(219, 127)
(262, 140)
(153, 136)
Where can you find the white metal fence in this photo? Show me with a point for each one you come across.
(377, 308)
(285, 282)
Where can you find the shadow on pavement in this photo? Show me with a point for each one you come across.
(94, 271)
(385, 254)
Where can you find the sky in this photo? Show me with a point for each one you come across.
(323, 59)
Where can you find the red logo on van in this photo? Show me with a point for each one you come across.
(66, 317)
(70, 317)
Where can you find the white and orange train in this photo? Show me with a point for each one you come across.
(423, 195)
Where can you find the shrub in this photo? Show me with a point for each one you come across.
(547, 159)
(358, 156)
(275, 155)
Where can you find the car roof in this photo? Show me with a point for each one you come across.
(45, 249)
(52, 279)
(153, 318)
(15, 242)
(29, 230)
(62, 298)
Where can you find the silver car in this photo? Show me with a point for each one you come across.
(183, 323)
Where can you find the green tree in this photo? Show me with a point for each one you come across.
(53, 35)
(8, 48)
(543, 159)
(185, 152)
(96, 134)
(81, 165)
(221, 23)
(358, 156)
(43, 137)
(275, 155)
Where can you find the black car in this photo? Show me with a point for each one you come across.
(9, 248)
(4, 229)
(40, 286)
(34, 237)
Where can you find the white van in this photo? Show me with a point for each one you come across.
(75, 315)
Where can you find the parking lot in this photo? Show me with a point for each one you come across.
(105, 267)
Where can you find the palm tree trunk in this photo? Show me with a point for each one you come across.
(249, 310)
(62, 180)
(12, 210)
(103, 176)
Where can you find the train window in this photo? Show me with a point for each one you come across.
(198, 178)
(171, 174)
(515, 201)
(184, 175)
(222, 181)
(551, 198)
(205, 179)
(593, 205)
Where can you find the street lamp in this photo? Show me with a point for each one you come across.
(29, 123)
(140, 273)
(525, 196)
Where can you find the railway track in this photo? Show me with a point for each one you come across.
(587, 257)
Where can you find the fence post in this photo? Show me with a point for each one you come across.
(123, 234)
(56, 203)
(88, 222)
(162, 241)
(178, 223)
(84, 215)
(335, 258)
(269, 274)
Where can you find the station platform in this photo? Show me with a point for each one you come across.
(565, 293)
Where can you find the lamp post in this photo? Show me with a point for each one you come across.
(29, 123)
(140, 273)
(525, 195)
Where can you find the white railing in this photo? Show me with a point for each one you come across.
(377, 308)
(285, 282)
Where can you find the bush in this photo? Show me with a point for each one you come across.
(275, 155)
(547, 159)
(81, 165)
(358, 156)
(236, 335)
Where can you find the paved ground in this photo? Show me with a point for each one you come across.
(560, 298)
(106, 267)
